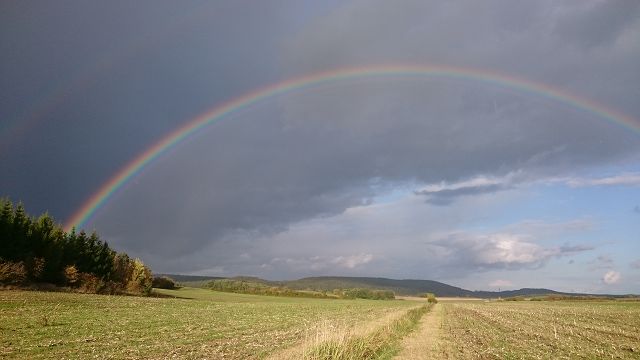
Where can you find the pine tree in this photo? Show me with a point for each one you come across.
(82, 255)
(105, 261)
(40, 250)
(8, 249)
(20, 232)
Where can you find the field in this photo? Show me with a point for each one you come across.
(207, 324)
(540, 330)
(38, 325)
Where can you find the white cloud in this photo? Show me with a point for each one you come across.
(498, 250)
(628, 179)
(352, 261)
(509, 249)
(475, 182)
(444, 193)
(611, 277)
(500, 283)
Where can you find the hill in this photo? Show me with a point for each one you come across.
(408, 287)
(400, 287)
(188, 278)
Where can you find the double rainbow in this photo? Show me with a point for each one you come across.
(82, 216)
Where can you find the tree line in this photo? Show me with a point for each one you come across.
(38, 250)
(255, 288)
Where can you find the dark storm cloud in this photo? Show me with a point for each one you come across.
(612, 18)
(88, 85)
(314, 153)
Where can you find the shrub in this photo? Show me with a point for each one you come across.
(250, 287)
(140, 281)
(431, 297)
(358, 293)
(89, 283)
(12, 273)
(163, 282)
(35, 267)
(71, 275)
(121, 268)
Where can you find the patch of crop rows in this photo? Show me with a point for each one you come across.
(61, 325)
(542, 330)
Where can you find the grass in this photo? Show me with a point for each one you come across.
(197, 323)
(381, 343)
(541, 330)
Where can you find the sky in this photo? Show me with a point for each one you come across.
(467, 180)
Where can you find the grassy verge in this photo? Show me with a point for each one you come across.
(382, 343)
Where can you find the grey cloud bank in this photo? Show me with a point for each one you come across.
(303, 184)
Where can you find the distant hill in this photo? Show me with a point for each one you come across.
(189, 278)
(400, 287)
(407, 287)
(195, 281)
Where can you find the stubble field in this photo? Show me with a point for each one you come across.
(540, 330)
(41, 325)
(211, 325)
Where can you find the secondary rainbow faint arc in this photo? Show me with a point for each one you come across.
(135, 166)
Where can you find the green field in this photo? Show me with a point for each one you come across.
(199, 324)
(205, 324)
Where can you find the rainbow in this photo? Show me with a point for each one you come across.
(140, 162)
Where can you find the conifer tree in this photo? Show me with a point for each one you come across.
(39, 250)
(8, 248)
(20, 230)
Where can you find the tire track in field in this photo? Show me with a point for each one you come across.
(421, 343)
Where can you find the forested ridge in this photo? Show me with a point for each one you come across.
(35, 250)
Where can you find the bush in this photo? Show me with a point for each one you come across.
(140, 281)
(89, 283)
(357, 293)
(71, 275)
(35, 267)
(12, 273)
(250, 287)
(163, 282)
